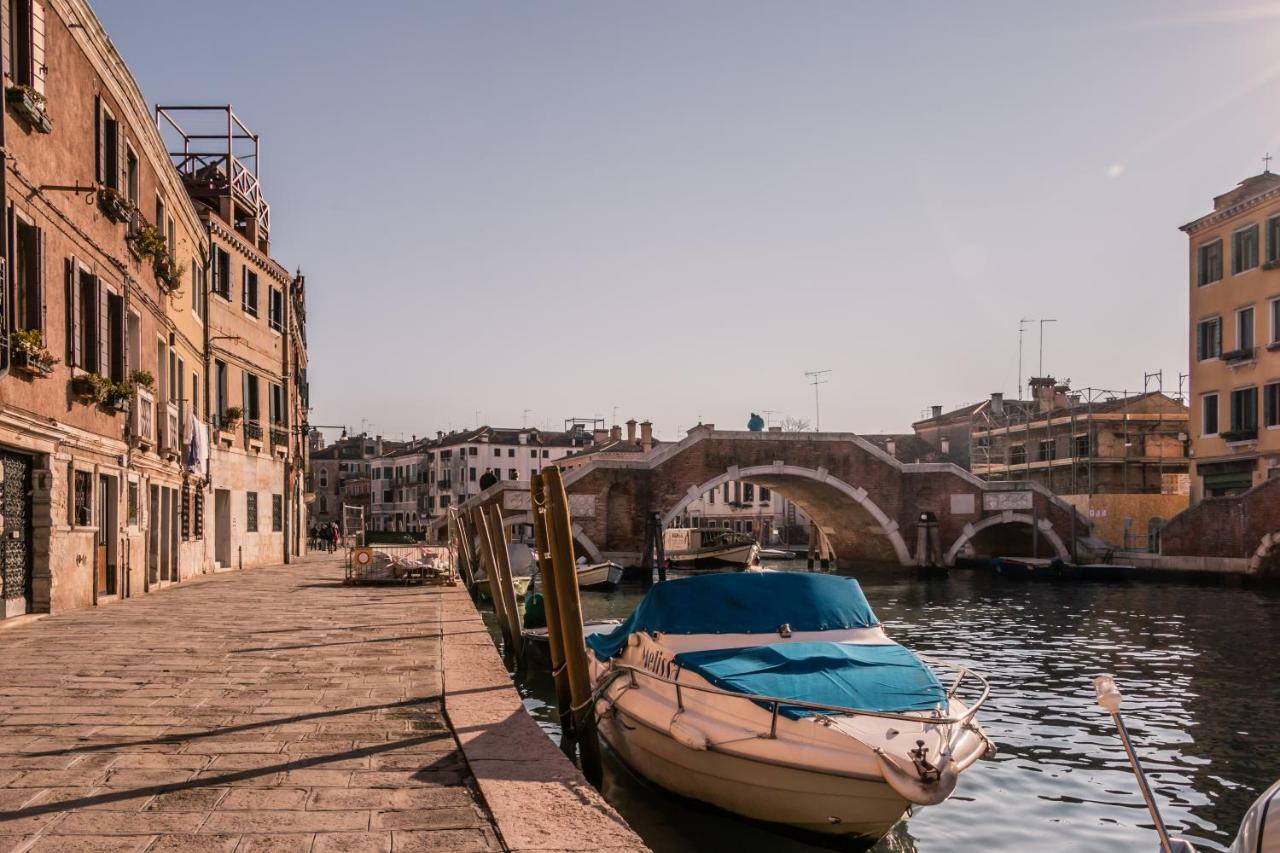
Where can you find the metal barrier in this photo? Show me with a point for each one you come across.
(400, 564)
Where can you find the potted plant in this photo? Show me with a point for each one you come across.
(91, 387)
(114, 204)
(168, 272)
(29, 104)
(146, 241)
(231, 418)
(144, 379)
(29, 354)
(118, 396)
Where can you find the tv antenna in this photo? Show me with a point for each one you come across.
(816, 378)
(524, 418)
(1042, 322)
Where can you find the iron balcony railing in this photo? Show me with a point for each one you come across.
(279, 436)
(252, 431)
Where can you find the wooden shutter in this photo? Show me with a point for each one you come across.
(36, 306)
(244, 394)
(97, 137)
(4, 314)
(244, 286)
(102, 326)
(75, 317)
(37, 46)
(1217, 338)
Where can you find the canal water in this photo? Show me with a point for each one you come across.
(1198, 665)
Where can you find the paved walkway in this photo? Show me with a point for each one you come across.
(265, 710)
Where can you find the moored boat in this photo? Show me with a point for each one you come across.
(707, 548)
(778, 696)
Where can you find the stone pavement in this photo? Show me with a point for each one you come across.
(265, 710)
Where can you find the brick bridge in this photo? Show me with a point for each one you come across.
(865, 501)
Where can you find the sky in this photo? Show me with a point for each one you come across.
(517, 213)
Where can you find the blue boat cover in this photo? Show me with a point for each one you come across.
(849, 675)
(743, 603)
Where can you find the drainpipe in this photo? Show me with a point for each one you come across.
(285, 334)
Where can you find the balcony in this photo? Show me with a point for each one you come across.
(1238, 436)
(253, 433)
(1240, 356)
(279, 439)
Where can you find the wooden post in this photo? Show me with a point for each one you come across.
(506, 586)
(659, 547)
(564, 701)
(813, 544)
(458, 531)
(489, 560)
(824, 550)
(560, 539)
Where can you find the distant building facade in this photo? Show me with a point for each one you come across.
(1234, 339)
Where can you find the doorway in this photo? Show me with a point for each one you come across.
(222, 527)
(107, 561)
(153, 538)
(15, 534)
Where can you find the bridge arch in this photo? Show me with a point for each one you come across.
(778, 472)
(1007, 517)
(1266, 559)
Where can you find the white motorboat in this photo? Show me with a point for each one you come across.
(596, 577)
(778, 696)
(707, 547)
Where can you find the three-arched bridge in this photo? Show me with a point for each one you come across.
(867, 503)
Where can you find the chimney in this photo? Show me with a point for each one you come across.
(1042, 392)
(891, 447)
(775, 429)
(616, 433)
(646, 436)
(631, 431)
(598, 436)
(937, 411)
(997, 404)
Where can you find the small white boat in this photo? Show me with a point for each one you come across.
(707, 547)
(778, 696)
(776, 554)
(597, 577)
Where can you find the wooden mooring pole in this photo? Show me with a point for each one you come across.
(813, 544)
(505, 588)
(560, 540)
(491, 574)
(564, 700)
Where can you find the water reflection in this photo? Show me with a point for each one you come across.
(1195, 664)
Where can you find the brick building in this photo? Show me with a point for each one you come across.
(104, 329)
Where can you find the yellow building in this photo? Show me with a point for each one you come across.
(1235, 339)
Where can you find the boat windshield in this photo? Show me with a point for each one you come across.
(743, 603)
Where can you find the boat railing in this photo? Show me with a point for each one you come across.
(776, 703)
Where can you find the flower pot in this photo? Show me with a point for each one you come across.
(86, 388)
(114, 206)
(35, 364)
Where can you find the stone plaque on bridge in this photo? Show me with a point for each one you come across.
(963, 504)
(580, 506)
(1001, 501)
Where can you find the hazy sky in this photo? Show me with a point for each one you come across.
(676, 209)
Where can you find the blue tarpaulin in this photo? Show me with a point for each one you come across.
(849, 675)
(743, 603)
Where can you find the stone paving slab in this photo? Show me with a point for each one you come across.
(267, 710)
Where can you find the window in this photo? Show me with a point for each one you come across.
(1244, 411)
(513, 474)
(1209, 339)
(108, 169)
(1244, 249)
(27, 311)
(161, 218)
(1047, 450)
(1271, 405)
(473, 451)
(115, 338)
(276, 403)
(220, 265)
(249, 283)
(23, 60)
(251, 512)
(131, 504)
(1209, 415)
(711, 496)
(82, 491)
(546, 454)
(1244, 328)
(511, 452)
(252, 405)
(764, 495)
(1273, 239)
(1017, 454)
(83, 317)
(1080, 445)
(1210, 263)
(1275, 321)
(132, 187)
(277, 513)
(497, 451)
(324, 478)
(471, 475)
(220, 393)
(533, 454)
(197, 289)
(275, 309)
(748, 493)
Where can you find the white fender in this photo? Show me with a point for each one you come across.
(686, 735)
(907, 784)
